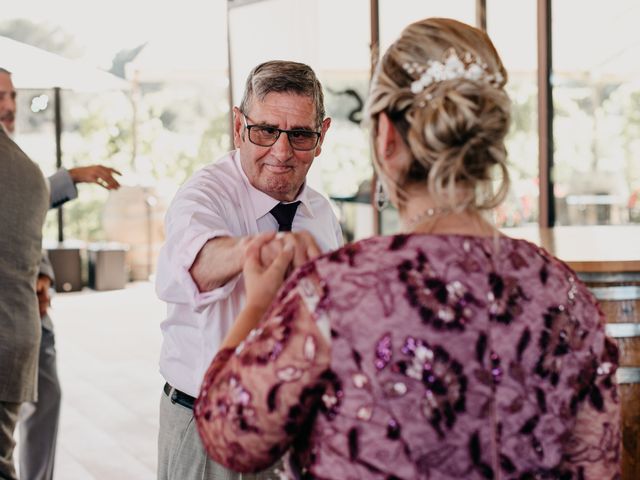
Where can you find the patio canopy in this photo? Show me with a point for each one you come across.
(32, 67)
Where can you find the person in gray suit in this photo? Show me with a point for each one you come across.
(38, 422)
(24, 199)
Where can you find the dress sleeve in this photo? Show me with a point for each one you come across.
(594, 445)
(255, 399)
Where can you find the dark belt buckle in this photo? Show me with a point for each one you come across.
(181, 399)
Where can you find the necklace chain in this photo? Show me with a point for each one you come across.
(429, 213)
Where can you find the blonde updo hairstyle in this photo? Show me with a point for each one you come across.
(454, 128)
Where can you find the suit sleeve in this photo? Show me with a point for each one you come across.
(45, 267)
(62, 189)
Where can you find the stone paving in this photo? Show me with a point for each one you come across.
(108, 345)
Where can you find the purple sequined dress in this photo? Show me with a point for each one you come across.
(422, 357)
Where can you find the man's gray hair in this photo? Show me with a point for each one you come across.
(283, 77)
(4, 70)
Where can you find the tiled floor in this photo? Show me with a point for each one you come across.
(108, 344)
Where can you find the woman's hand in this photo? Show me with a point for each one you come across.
(305, 248)
(265, 272)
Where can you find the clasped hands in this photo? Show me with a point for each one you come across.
(270, 259)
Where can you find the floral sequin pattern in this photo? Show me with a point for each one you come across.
(441, 376)
(269, 340)
(233, 402)
(443, 305)
(561, 335)
(505, 298)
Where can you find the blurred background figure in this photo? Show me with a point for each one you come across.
(38, 426)
(24, 198)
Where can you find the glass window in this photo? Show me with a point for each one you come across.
(596, 97)
(512, 28)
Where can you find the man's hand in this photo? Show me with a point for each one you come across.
(99, 174)
(43, 283)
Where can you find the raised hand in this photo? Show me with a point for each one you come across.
(98, 174)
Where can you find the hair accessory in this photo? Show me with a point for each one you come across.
(453, 67)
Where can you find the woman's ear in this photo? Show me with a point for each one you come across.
(385, 137)
(392, 151)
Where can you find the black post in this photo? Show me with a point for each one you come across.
(230, 70)
(374, 48)
(547, 209)
(58, 127)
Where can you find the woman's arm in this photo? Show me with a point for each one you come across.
(261, 387)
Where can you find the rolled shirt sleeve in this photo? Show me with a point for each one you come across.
(191, 222)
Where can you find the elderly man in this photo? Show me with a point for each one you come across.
(259, 187)
(38, 424)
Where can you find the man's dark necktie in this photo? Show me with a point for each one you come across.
(284, 213)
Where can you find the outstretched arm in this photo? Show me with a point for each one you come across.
(222, 258)
(262, 281)
(256, 397)
(63, 183)
(218, 261)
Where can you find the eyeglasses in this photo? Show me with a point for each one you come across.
(267, 136)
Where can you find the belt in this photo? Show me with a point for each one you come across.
(179, 397)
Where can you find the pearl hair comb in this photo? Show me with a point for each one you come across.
(452, 68)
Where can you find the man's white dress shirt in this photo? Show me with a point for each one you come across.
(217, 201)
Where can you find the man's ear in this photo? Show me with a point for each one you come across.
(238, 125)
(326, 123)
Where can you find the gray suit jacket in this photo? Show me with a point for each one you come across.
(24, 198)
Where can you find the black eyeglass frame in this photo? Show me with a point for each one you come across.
(280, 131)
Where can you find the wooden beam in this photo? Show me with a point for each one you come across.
(546, 201)
(57, 113)
(481, 15)
(230, 77)
(374, 49)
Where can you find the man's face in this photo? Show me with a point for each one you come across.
(7, 102)
(278, 170)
